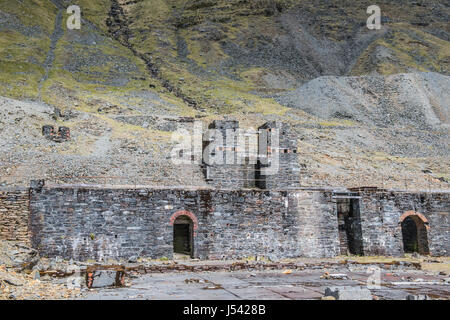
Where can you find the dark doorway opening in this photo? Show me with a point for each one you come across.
(414, 233)
(349, 224)
(183, 236)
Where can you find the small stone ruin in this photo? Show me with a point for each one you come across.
(62, 135)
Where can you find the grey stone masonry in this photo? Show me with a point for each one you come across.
(278, 159)
(266, 158)
(14, 213)
(230, 164)
(100, 223)
(381, 212)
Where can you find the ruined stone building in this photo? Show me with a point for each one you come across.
(264, 159)
(246, 211)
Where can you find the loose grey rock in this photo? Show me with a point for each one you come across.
(36, 275)
(349, 293)
(417, 297)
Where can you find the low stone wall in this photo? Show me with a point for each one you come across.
(271, 224)
(380, 220)
(90, 223)
(14, 213)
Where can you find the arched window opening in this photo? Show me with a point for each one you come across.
(183, 230)
(414, 233)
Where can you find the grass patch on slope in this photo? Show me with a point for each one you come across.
(31, 13)
(411, 49)
(21, 67)
(21, 54)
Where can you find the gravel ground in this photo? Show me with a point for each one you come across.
(25, 275)
(306, 284)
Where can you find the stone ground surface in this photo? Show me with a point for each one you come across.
(309, 283)
(24, 275)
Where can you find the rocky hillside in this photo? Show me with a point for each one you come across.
(20, 275)
(416, 100)
(369, 106)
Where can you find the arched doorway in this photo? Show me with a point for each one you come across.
(183, 231)
(414, 233)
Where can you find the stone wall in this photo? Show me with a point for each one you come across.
(266, 158)
(221, 166)
(277, 149)
(230, 176)
(380, 220)
(95, 223)
(14, 212)
(316, 222)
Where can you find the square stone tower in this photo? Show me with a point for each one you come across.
(234, 158)
(277, 166)
(224, 163)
